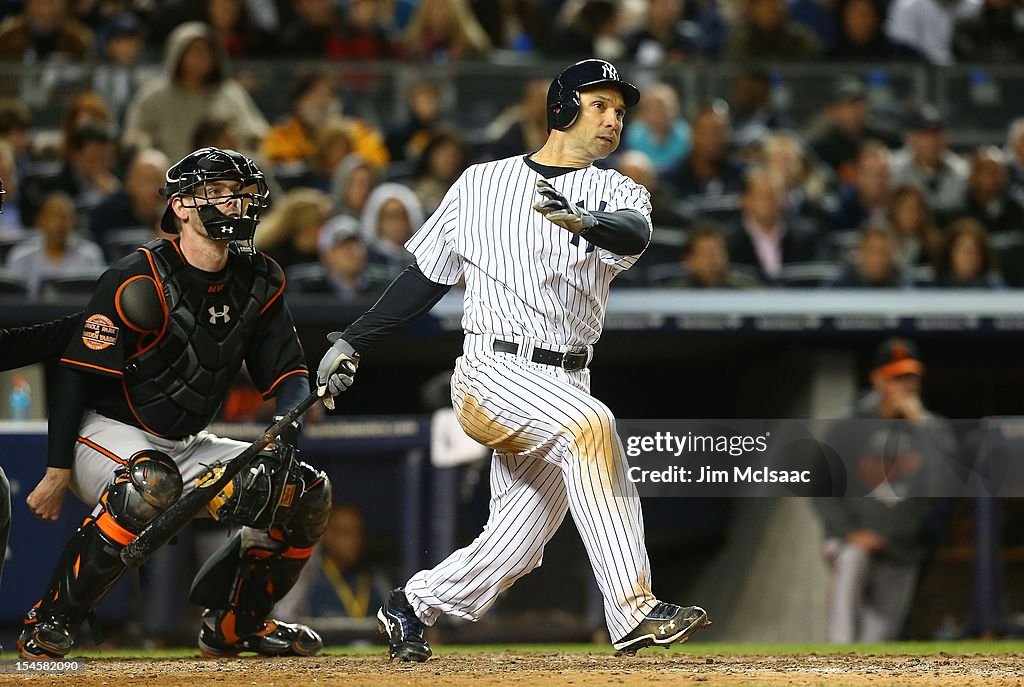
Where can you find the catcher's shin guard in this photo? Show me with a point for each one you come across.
(240, 583)
(91, 563)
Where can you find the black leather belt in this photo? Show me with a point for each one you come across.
(570, 361)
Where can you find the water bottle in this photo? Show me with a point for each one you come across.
(20, 399)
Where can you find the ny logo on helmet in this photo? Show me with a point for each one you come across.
(214, 315)
(609, 72)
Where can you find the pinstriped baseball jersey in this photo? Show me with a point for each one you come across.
(525, 276)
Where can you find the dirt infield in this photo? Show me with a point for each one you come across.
(539, 668)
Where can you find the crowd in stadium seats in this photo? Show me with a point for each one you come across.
(743, 195)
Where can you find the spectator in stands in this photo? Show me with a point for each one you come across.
(122, 74)
(866, 198)
(333, 143)
(56, 250)
(876, 263)
(995, 34)
(343, 256)
(321, 29)
(11, 224)
(290, 231)
(445, 30)
(196, 84)
(638, 167)
(392, 214)
(523, 126)
(988, 193)
(353, 181)
(764, 239)
(767, 33)
(927, 25)
(444, 158)
(919, 239)
(15, 125)
(138, 204)
(844, 129)
(44, 29)
(407, 139)
(517, 25)
(666, 37)
(658, 129)
(874, 544)
(238, 34)
(967, 260)
(861, 37)
(750, 107)
(1014, 156)
(927, 162)
(706, 262)
(215, 132)
(288, 145)
(708, 171)
(87, 109)
(804, 186)
(86, 174)
(590, 28)
(338, 582)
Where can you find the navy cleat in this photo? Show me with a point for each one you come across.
(218, 639)
(404, 630)
(666, 624)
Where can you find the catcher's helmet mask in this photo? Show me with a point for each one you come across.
(564, 92)
(190, 179)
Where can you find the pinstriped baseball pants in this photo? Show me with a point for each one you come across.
(555, 449)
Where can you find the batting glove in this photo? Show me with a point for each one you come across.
(559, 210)
(337, 369)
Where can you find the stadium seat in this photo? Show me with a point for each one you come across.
(809, 274)
(10, 284)
(306, 277)
(77, 283)
(121, 242)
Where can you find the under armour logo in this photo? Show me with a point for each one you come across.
(214, 315)
(670, 626)
(227, 230)
(609, 72)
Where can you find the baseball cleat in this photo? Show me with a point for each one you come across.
(45, 637)
(398, 621)
(218, 639)
(666, 624)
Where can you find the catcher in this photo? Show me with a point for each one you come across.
(167, 329)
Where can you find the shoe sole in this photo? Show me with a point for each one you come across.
(631, 647)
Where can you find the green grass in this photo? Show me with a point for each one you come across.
(919, 648)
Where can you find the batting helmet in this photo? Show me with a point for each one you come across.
(188, 178)
(564, 92)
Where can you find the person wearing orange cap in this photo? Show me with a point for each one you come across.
(874, 544)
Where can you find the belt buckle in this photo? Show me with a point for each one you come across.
(565, 360)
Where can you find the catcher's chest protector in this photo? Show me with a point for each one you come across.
(177, 385)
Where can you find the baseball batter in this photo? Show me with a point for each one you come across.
(538, 239)
(166, 331)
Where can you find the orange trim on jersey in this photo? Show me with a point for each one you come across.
(109, 527)
(69, 361)
(297, 553)
(177, 249)
(99, 449)
(117, 304)
(267, 394)
(279, 291)
(78, 562)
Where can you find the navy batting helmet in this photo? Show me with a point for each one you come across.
(564, 92)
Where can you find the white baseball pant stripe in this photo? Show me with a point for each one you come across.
(555, 448)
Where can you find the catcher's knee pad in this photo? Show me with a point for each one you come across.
(143, 489)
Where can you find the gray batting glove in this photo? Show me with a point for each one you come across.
(559, 210)
(337, 369)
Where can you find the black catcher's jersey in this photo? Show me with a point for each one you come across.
(163, 340)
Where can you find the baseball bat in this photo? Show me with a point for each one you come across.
(174, 519)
